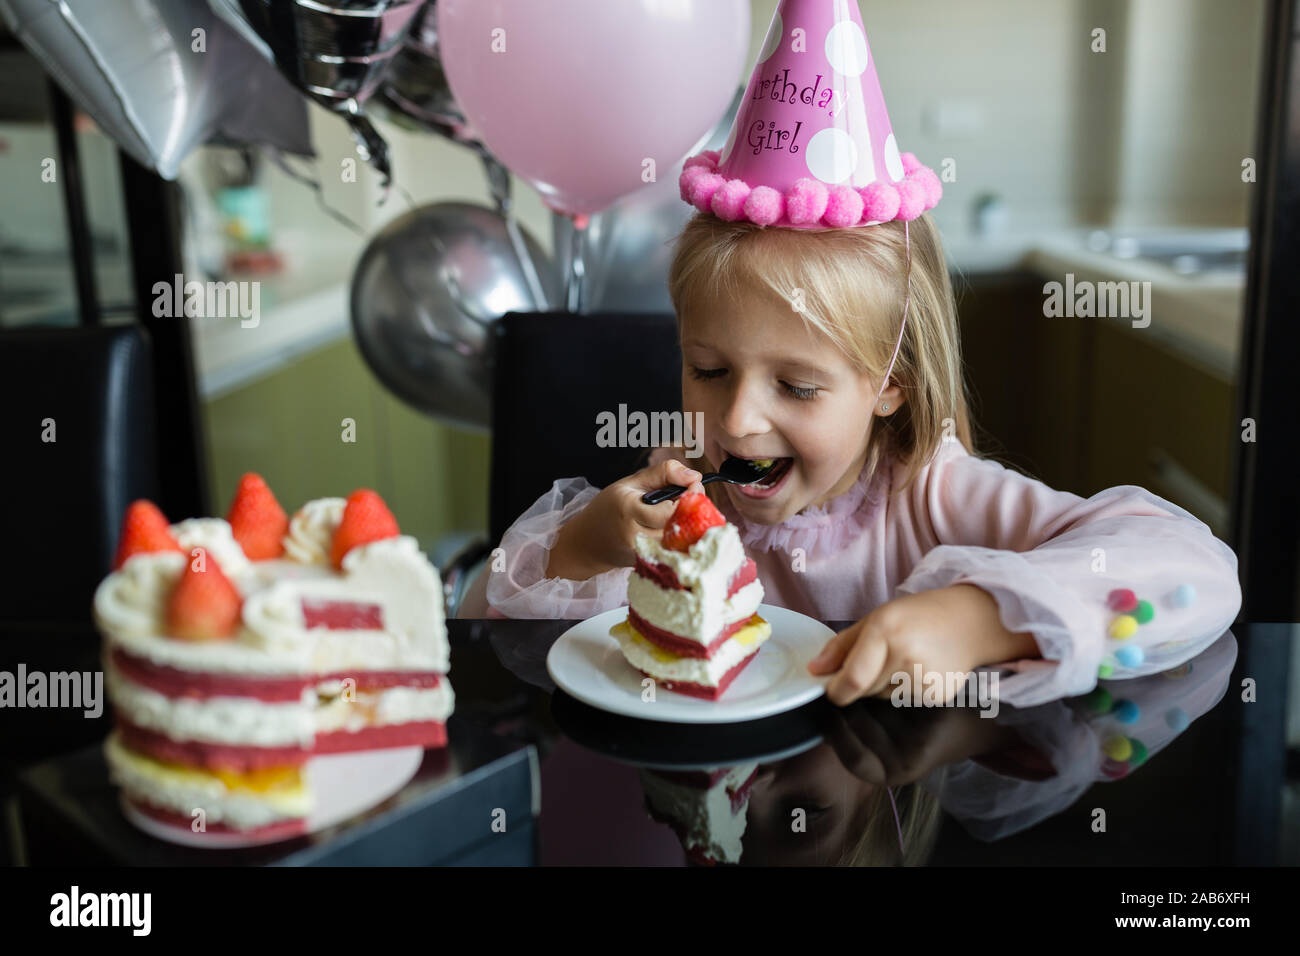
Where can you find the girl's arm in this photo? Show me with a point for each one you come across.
(1052, 561)
(514, 582)
(569, 556)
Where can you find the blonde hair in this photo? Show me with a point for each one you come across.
(852, 283)
(919, 817)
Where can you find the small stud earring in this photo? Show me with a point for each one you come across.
(885, 407)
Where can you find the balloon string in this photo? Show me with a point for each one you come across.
(907, 297)
(899, 826)
(282, 162)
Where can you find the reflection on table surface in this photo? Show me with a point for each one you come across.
(871, 784)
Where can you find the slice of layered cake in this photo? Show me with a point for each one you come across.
(705, 808)
(693, 598)
(237, 649)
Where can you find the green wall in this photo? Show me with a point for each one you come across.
(288, 428)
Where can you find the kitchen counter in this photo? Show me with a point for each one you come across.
(1198, 316)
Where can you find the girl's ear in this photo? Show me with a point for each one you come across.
(892, 397)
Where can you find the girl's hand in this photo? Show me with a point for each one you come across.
(602, 536)
(948, 630)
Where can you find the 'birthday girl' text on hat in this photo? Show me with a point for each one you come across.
(1105, 300)
(781, 89)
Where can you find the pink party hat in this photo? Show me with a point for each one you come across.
(812, 146)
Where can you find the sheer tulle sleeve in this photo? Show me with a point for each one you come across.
(1069, 570)
(517, 586)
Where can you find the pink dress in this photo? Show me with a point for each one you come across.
(1049, 559)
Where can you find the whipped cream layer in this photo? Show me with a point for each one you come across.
(687, 614)
(240, 721)
(247, 722)
(664, 665)
(704, 818)
(183, 790)
(393, 706)
(701, 608)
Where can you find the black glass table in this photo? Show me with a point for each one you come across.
(1145, 771)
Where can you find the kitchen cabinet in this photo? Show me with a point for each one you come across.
(1089, 403)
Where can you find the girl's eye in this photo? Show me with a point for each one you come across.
(706, 373)
(799, 392)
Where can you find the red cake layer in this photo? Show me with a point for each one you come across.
(666, 577)
(235, 758)
(425, 733)
(174, 682)
(700, 690)
(279, 829)
(740, 795)
(342, 615)
(239, 758)
(683, 645)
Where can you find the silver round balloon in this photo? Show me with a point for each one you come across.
(425, 297)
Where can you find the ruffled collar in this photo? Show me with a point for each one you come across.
(820, 530)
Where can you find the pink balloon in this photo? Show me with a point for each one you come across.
(577, 97)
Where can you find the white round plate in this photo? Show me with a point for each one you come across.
(344, 785)
(586, 663)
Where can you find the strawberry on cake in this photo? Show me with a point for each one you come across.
(693, 598)
(237, 649)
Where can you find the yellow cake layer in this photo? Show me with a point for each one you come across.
(267, 783)
(755, 632)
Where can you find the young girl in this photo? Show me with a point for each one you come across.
(885, 514)
(818, 326)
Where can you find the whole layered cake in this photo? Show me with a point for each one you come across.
(237, 649)
(693, 599)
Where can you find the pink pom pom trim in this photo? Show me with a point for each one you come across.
(703, 189)
(911, 199)
(929, 182)
(809, 202)
(686, 182)
(764, 206)
(879, 202)
(729, 201)
(806, 201)
(843, 207)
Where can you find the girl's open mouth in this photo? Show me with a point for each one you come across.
(772, 483)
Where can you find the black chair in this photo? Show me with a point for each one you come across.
(79, 445)
(555, 372)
